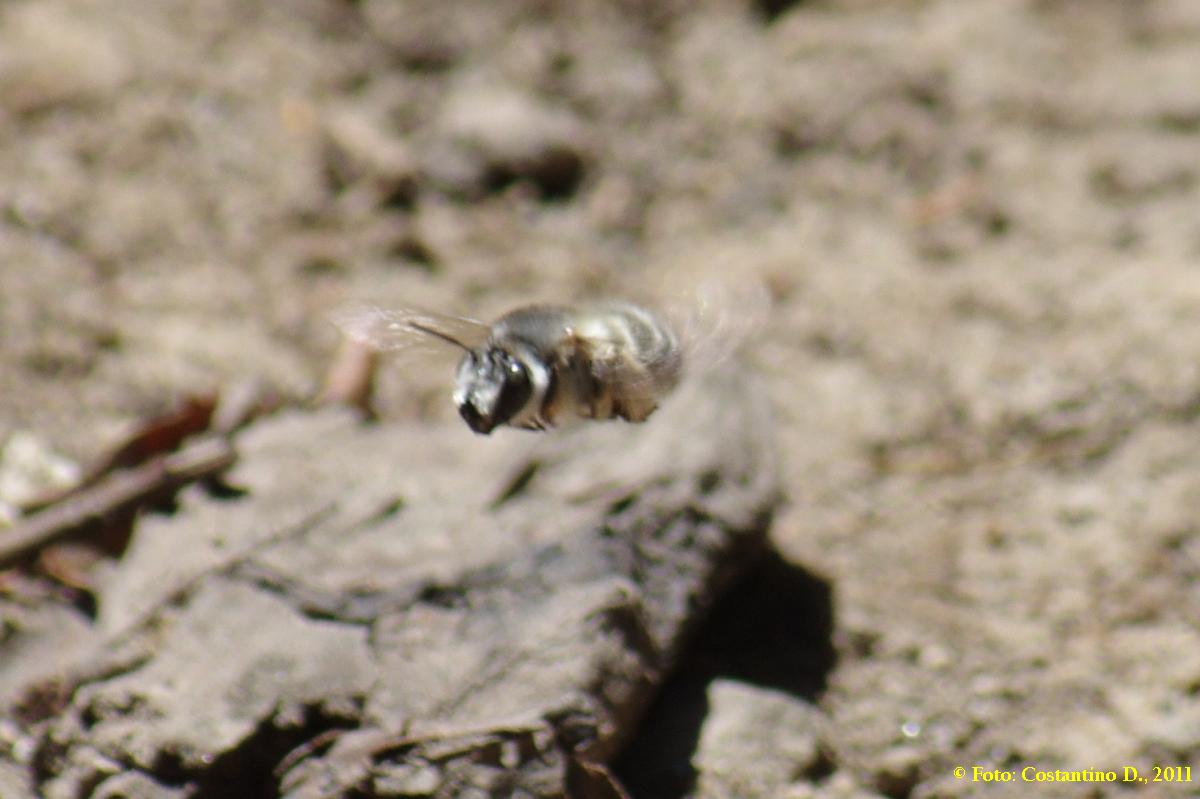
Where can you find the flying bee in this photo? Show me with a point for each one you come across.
(539, 366)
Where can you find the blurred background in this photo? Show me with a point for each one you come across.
(979, 221)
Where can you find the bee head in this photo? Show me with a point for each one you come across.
(493, 386)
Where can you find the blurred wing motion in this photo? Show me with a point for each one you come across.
(405, 329)
(716, 320)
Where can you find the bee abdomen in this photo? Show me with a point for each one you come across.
(633, 360)
(652, 343)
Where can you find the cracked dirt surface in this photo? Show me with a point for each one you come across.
(403, 635)
(977, 219)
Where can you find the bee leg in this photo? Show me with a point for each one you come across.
(583, 371)
(602, 372)
(628, 387)
(602, 405)
(634, 410)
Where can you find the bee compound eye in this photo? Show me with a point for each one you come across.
(514, 393)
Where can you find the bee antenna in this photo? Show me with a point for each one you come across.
(439, 334)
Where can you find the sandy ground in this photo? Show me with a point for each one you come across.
(978, 220)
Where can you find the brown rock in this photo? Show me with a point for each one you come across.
(404, 610)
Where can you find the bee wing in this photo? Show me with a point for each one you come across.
(407, 329)
(715, 321)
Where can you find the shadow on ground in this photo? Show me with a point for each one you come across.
(774, 629)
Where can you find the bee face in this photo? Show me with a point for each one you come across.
(492, 387)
